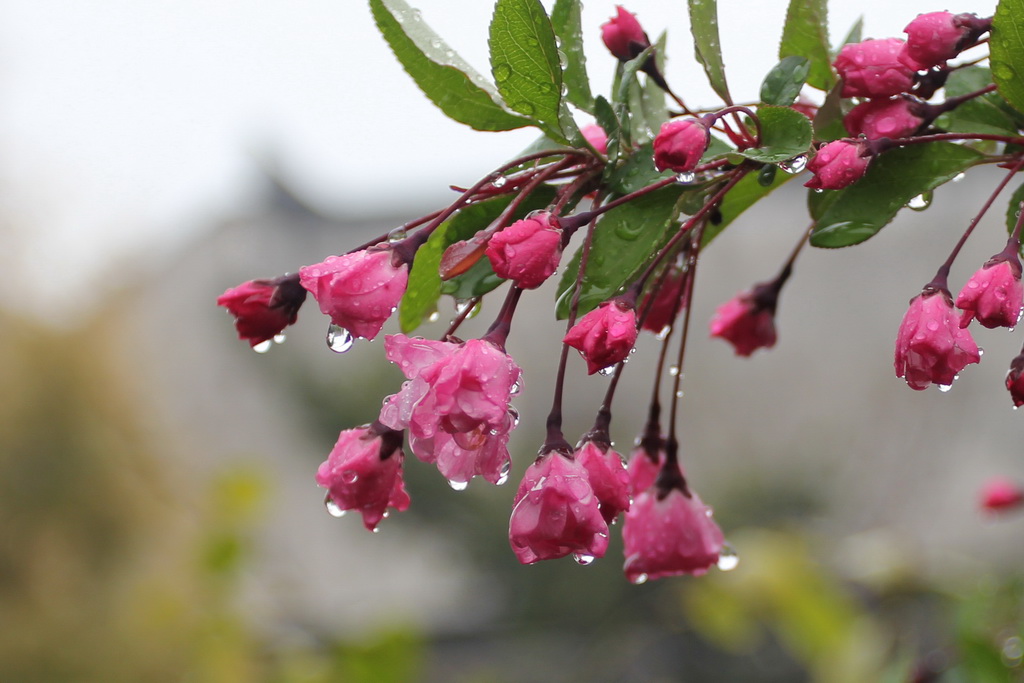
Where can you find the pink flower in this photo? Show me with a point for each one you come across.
(364, 473)
(455, 405)
(668, 535)
(931, 347)
(595, 135)
(1015, 380)
(663, 304)
(747, 321)
(608, 478)
(527, 251)
(993, 295)
(604, 336)
(624, 36)
(643, 468)
(680, 144)
(1000, 494)
(556, 513)
(932, 39)
(263, 308)
(837, 165)
(872, 69)
(883, 119)
(359, 291)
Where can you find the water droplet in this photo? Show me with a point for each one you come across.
(727, 558)
(794, 165)
(583, 558)
(920, 202)
(333, 509)
(339, 339)
(686, 178)
(679, 394)
(563, 59)
(279, 338)
(608, 371)
(349, 476)
(263, 346)
(506, 467)
(673, 370)
(514, 416)
(818, 190)
(663, 334)
(945, 387)
(463, 305)
(458, 485)
(397, 235)
(376, 529)
(638, 579)
(434, 317)
(500, 181)
(515, 388)
(1013, 651)
(502, 72)
(958, 177)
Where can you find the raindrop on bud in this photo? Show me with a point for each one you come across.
(263, 346)
(332, 508)
(583, 558)
(339, 339)
(727, 558)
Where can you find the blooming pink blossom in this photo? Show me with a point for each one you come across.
(608, 478)
(624, 36)
(669, 535)
(680, 144)
(746, 323)
(932, 39)
(836, 165)
(364, 473)
(359, 291)
(527, 251)
(595, 135)
(1000, 494)
(931, 347)
(1015, 380)
(604, 336)
(263, 308)
(663, 304)
(872, 69)
(455, 404)
(993, 295)
(883, 119)
(643, 467)
(556, 513)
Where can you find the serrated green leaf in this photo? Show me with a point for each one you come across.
(785, 133)
(783, 83)
(706, 45)
(744, 194)
(892, 180)
(524, 62)
(805, 34)
(565, 20)
(1006, 51)
(450, 83)
(625, 241)
(984, 114)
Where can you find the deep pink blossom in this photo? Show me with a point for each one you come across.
(263, 308)
(993, 295)
(932, 39)
(608, 478)
(527, 251)
(837, 165)
(604, 336)
(680, 144)
(663, 305)
(883, 119)
(643, 468)
(624, 36)
(669, 535)
(364, 473)
(1015, 380)
(556, 513)
(595, 135)
(931, 347)
(455, 404)
(872, 69)
(746, 321)
(359, 291)
(1000, 494)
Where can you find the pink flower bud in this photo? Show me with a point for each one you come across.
(993, 295)
(1015, 381)
(747, 321)
(883, 119)
(932, 39)
(624, 36)
(263, 308)
(604, 336)
(837, 165)
(364, 473)
(527, 252)
(680, 144)
(1000, 494)
(556, 513)
(931, 347)
(663, 305)
(595, 135)
(872, 69)
(607, 476)
(359, 291)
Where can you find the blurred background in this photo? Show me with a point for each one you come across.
(158, 515)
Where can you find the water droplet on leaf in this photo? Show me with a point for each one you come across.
(686, 178)
(794, 165)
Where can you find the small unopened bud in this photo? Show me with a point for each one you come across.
(837, 165)
(680, 144)
(872, 69)
(624, 36)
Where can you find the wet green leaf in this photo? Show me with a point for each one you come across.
(828, 122)
(638, 171)
(805, 34)
(706, 45)
(1006, 51)
(741, 197)
(621, 101)
(655, 112)
(985, 114)
(565, 19)
(855, 34)
(607, 119)
(783, 83)
(785, 133)
(1013, 209)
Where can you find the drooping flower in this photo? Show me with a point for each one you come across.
(931, 347)
(527, 252)
(644, 464)
(663, 304)
(608, 477)
(876, 119)
(994, 294)
(263, 308)
(1000, 494)
(364, 473)
(606, 335)
(624, 36)
(680, 144)
(1015, 380)
(837, 165)
(359, 291)
(556, 513)
(872, 69)
(933, 38)
(455, 404)
(747, 321)
(595, 135)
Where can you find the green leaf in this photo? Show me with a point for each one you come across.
(1013, 210)
(524, 61)
(565, 20)
(892, 180)
(783, 83)
(985, 114)
(621, 101)
(655, 111)
(741, 197)
(785, 133)
(606, 118)
(708, 49)
(638, 171)
(828, 122)
(1006, 51)
(625, 241)
(450, 83)
(855, 34)
(806, 35)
